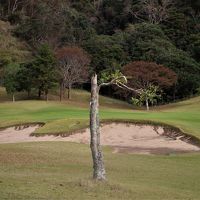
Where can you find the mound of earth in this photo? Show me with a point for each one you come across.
(124, 138)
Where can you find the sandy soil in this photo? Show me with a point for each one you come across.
(126, 138)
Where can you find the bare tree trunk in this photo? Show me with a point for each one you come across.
(147, 104)
(13, 97)
(46, 95)
(69, 92)
(29, 93)
(97, 155)
(9, 3)
(174, 93)
(64, 90)
(61, 90)
(39, 93)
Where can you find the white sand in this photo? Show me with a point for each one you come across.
(123, 137)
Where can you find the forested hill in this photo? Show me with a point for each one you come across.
(112, 32)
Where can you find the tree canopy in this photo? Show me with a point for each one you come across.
(113, 32)
(72, 65)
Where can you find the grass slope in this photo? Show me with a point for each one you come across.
(80, 98)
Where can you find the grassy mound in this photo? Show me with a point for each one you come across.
(72, 115)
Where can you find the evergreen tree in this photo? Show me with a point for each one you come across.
(44, 70)
(10, 80)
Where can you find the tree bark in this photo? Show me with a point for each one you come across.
(39, 93)
(13, 97)
(61, 91)
(29, 93)
(174, 93)
(9, 3)
(46, 95)
(97, 155)
(69, 92)
(64, 90)
(147, 104)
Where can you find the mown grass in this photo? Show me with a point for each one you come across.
(59, 170)
(80, 98)
(61, 117)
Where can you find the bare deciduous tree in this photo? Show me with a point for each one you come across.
(97, 4)
(154, 10)
(13, 5)
(73, 65)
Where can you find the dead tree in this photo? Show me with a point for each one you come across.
(154, 11)
(16, 5)
(99, 172)
(97, 4)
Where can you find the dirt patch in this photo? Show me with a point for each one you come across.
(123, 137)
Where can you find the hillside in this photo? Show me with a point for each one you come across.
(109, 33)
(12, 49)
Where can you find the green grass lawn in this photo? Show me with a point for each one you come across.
(68, 116)
(61, 170)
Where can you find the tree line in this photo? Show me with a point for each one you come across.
(111, 33)
(65, 67)
(70, 65)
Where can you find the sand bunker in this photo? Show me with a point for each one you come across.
(126, 138)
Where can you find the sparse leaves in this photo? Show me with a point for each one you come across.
(155, 11)
(115, 78)
(151, 95)
(73, 63)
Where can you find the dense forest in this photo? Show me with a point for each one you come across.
(41, 39)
